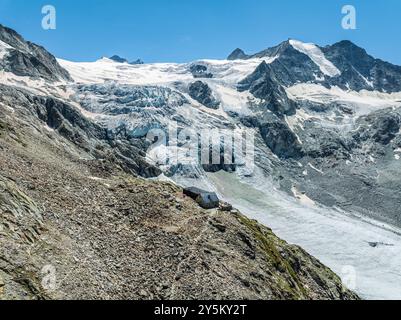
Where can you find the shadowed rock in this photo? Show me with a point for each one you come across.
(201, 92)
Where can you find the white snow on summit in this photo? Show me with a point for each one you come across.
(317, 56)
(157, 73)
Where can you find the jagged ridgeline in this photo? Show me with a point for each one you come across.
(75, 196)
(25, 58)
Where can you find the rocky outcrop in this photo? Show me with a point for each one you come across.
(26, 59)
(379, 127)
(360, 71)
(118, 59)
(21, 225)
(137, 61)
(200, 92)
(281, 140)
(263, 84)
(200, 71)
(237, 54)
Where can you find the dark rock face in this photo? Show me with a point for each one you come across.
(225, 155)
(201, 92)
(28, 59)
(290, 66)
(118, 59)
(360, 70)
(281, 140)
(355, 168)
(221, 166)
(380, 127)
(200, 71)
(325, 142)
(264, 85)
(138, 61)
(237, 54)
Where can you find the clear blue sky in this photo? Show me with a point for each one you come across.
(185, 30)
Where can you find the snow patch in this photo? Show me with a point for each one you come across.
(317, 56)
(362, 102)
(100, 71)
(4, 47)
(233, 100)
(314, 168)
(302, 198)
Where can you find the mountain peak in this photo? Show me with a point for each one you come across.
(26, 59)
(118, 59)
(137, 61)
(237, 54)
(345, 43)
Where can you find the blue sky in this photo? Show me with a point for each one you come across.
(185, 30)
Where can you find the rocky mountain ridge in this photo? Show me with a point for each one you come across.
(24, 58)
(357, 70)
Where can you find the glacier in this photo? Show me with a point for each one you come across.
(339, 239)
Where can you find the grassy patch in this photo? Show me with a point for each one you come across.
(267, 242)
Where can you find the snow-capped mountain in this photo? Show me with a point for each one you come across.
(343, 64)
(326, 123)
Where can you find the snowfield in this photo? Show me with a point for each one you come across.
(362, 103)
(157, 73)
(317, 56)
